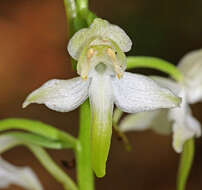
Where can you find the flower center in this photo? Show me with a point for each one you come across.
(102, 56)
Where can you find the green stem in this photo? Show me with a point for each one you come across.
(39, 128)
(186, 162)
(75, 22)
(52, 167)
(154, 63)
(85, 13)
(71, 13)
(123, 137)
(83, 149)
(116, 117)
(83, 153)
(82, 4)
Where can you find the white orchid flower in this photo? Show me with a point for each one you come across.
(10, 174)
(184, 125)
(101, 66)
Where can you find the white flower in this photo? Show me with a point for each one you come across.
(22, 176)
(101, 66)
(184, 125)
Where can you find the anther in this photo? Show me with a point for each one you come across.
(84, 77)
(90, 53)
(111, 53)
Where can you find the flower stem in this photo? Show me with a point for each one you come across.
(82, 4)
(52, 167)
(83, 153)
(79, 17)
(154, 63)
(71, 13)
(186, 161)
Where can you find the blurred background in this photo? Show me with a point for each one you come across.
(33, 40)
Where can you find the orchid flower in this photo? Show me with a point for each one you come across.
(99, 50)
(22, 176)
(184, 125)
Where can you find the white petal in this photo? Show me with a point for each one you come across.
(60, 95)
(190, 62)
(99, 28)
(136, 93)
(191, 67)
(101, 100)
(77, 42)
(104, 29)
(156, 120)
(167, 83)
(22, 176)
(119, 36)
(185, 126)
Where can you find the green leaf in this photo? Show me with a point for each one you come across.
(186, 161)
(38, 140)
(39, 128)
(154, 63)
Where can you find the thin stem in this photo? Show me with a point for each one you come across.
(82, 4)
(84, 12)
(52, 167)
(116, 117)
(154, 63)
(39, 128)
(71, 13)
(123, 137)
(186, 162)
(83, 153)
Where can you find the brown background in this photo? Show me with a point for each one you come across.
(33, 39)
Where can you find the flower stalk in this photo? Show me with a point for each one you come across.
(154, 63)
(83, 152)
(52, 167)
(186, 161)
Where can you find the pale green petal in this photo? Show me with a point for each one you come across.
(184, 130)
(60, 95)
(101, 101)
(191, 67)
(104, 29)
(22, 176)
(136, 93)
(156, 120)
(77, 42)
(99, 29)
